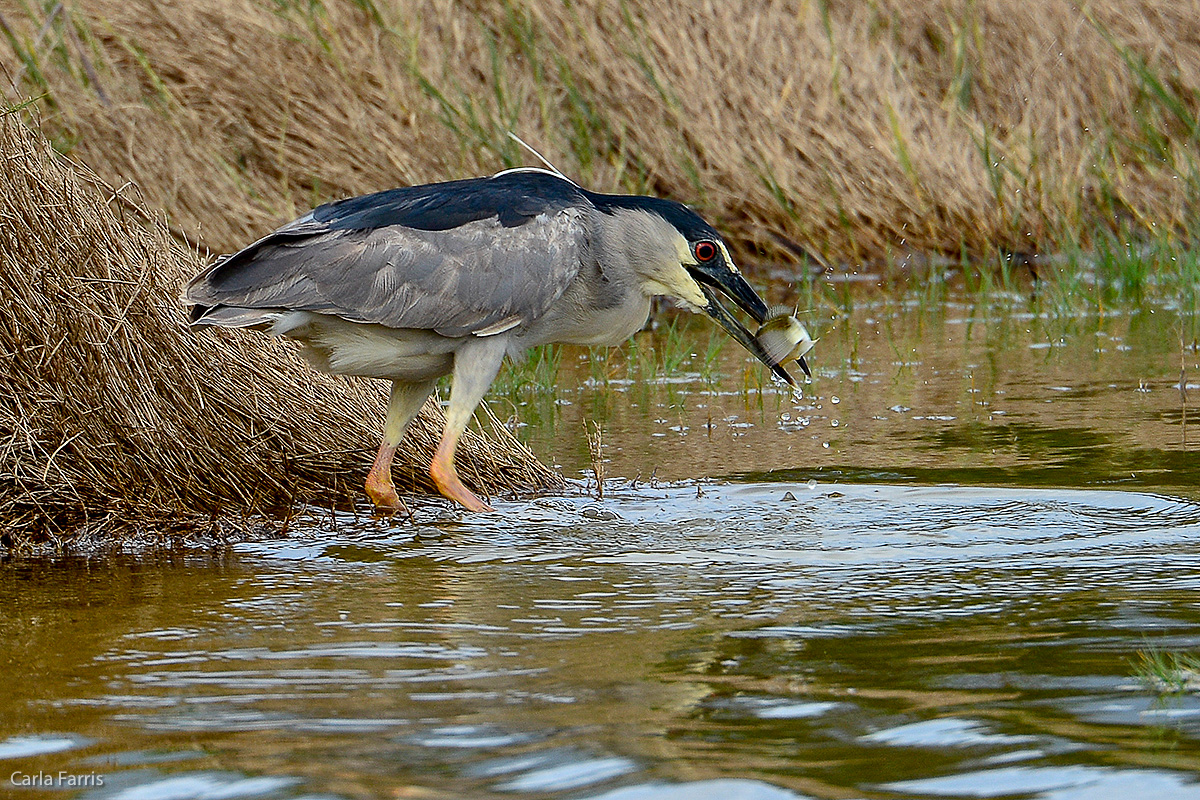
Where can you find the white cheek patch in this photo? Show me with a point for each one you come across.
(677, 283)
(684, 251)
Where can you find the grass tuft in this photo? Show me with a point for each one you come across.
(1167, 672)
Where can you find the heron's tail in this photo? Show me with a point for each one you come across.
(232, 316)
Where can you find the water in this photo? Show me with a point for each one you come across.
(962, 393)
(945, 602)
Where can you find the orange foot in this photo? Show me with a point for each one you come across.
(445, 477)
(383, 495)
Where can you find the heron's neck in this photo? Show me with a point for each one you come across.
(642, 244)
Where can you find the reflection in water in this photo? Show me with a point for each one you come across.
(885, 607)
(1054, 783)
(727, 789)
(963, 393)
(861, 640)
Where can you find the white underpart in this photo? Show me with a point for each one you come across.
(372, 351)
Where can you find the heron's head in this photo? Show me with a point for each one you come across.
(674, 252)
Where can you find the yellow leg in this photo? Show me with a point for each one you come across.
(475, 366)
(405, 402)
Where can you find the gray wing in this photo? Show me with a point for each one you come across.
(474, 278)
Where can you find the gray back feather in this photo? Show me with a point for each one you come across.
(454, 282)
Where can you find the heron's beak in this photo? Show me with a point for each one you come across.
(720, 277)
(738, 331)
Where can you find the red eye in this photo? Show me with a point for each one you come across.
(705, 251)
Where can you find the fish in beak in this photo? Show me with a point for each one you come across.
(717, 279)
(784, 338)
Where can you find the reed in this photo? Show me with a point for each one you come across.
(859, 131)
(115, 414)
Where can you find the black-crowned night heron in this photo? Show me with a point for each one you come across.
(415, 283)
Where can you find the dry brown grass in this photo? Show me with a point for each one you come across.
(112, 412)
(858, 129)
